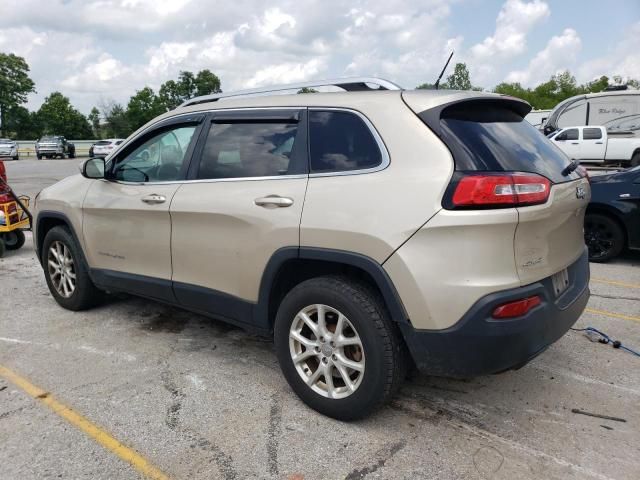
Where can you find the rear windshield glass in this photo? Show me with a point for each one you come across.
(497, 139)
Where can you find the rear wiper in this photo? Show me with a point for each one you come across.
(571, 167)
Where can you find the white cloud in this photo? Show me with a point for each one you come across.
(623, 60)
(101, 49)
(286, 73)
(560, 54)
(515, 20)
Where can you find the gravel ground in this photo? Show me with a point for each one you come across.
(200, 399)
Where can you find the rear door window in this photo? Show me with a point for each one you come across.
(592, 134)
(493, 138)
(246, 148)
(340, 141)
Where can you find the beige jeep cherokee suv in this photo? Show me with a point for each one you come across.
(364, 230)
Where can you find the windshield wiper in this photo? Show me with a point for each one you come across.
(571, 167)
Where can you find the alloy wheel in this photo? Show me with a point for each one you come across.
(61, 269)
(327, 351)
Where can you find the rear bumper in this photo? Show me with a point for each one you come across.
(480, 345)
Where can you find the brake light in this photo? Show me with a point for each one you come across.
(517, 308)
(501, 190)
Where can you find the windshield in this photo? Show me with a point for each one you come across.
(49, 139)
(103, 142)
(500, 140)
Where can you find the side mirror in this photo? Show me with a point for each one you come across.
(93, 168)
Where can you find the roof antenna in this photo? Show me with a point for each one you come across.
(442, 72)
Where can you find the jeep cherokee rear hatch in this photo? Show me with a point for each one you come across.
(501, 161)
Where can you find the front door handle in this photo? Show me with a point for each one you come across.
(598, 143)
(273, 201)
(154, 199)
(575, 143)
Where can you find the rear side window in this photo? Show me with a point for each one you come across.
(341, 141)
(592, 134)
(489, 137)
(240, 150)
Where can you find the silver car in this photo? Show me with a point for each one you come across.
(9, 148)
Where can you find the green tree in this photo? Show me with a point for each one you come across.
(58, 117)
(116, 120)
(94, 120)
(459, 79)
(22, 124)
(145, 105)
(597, 85)
(15, 85)
(207, 83)
(172, 93)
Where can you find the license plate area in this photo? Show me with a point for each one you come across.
(560, 282)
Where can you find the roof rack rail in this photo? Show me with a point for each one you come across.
(350, 84)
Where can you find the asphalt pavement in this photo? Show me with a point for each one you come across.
(194, 398)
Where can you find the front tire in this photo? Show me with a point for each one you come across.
(14, 240)
(604, 237)
(66, 274)
(338, 348)
(635, 159)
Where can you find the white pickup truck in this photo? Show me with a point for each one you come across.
(593, 144)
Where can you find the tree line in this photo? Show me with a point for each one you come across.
(111, 119)
(544, 96)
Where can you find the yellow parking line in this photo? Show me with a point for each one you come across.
(611, 314)
(612, 282)
(78, 421)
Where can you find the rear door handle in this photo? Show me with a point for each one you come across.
(598, 143)
(273, 201)
(575, 143)
(154, 199)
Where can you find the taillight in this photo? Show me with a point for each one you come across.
(516, 308)
(499, 190)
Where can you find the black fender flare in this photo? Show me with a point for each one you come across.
(362, 262)
(39, 240)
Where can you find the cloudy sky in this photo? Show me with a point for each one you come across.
(95, 50)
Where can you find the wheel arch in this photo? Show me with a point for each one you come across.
(289, 266)
(47, 220)
(603, 209)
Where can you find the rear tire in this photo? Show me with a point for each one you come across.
(604, 237)
(66, 273)
(367, 340)
(39, 157)
(635, 159)
(14, 240)
(2, 248)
